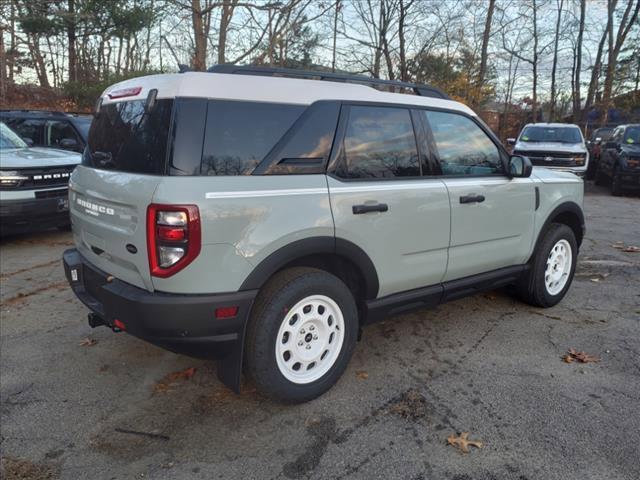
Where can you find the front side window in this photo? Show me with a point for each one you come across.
(463, 147)
(238, 135)
(379, 142)
(57, 131)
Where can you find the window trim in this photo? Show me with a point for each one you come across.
(272, 158)
(338, 143)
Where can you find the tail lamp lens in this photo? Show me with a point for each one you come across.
(173, 236)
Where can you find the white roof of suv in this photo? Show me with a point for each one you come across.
(266, 89)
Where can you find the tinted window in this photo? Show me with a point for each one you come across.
(124, 137)
(83, 124)
(239, 135)
(463, 147)
(28, 128)
(189, 119)
(551, 134)
(306, 148)
(58, 130)
(602, 133)
(379, 143)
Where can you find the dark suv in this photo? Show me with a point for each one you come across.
(41, 128)
(620, 159)
(599, 137)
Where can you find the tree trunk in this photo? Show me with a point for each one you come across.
(200, 53)
(71, 41)
(228, 7)
(404, 71)
(335, 36)
(554, 67)
(486, 35)
(628, 20)
(577, 103)
(534, 107)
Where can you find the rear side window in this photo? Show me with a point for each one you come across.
(125, 138)
(238, 135)
(379, 142)
(463, 147)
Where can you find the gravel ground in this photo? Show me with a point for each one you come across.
(487, 365)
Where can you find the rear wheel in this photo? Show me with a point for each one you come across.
(301, 334)
(552, 269)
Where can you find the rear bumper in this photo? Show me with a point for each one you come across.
(34, 213)
(180, 323)
(630, 178)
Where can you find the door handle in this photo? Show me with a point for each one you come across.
(366, 208)
(472, 198)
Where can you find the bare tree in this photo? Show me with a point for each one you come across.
(578, 62)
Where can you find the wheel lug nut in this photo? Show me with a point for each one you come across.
(315, 337)
(302, 331)
(300, 343)
(312, 328)
(308, 347)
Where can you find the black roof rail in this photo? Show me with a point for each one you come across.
(422, 90)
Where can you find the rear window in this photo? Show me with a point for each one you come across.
(125, 138)
(238, 135)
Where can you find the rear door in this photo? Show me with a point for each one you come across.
(492, 215)
(382, 203)
(110, 192)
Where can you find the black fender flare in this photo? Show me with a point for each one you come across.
(313, 246)
(569, 207)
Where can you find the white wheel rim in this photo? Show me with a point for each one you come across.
(558, 269)
(310, 339)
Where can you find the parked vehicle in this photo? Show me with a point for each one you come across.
(594, 145)
(42, 128)
(33, 184)
(553, 145)
(620, 160)
(263, 220)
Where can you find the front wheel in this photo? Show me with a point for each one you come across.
(301, 334)
(552, 268)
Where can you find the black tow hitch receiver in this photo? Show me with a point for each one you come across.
(96, 320)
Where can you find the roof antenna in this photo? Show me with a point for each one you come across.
(181, 66)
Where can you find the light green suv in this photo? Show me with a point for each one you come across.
(262, 220)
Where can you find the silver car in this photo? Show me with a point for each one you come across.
(263, 220)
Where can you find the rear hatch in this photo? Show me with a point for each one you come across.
(109, 193)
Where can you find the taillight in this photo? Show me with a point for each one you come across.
(173, 237)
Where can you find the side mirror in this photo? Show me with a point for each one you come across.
(28, 141)
(68, 143)
(511, 141)
(520, 167)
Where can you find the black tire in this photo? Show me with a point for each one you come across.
(600, 178)
(616, 183)
(532, 288)
(277, 297)
(591, 169)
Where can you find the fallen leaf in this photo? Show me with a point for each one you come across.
(171, 379)
(462, 443)
(581, 357)
(362, 375)
(88, 342)
(631, 249)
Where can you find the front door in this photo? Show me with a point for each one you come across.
(492, 215)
